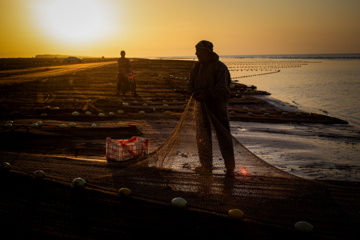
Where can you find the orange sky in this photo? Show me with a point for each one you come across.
(146, 28)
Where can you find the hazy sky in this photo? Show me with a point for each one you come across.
(145, 28)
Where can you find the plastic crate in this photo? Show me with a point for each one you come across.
(124, 149)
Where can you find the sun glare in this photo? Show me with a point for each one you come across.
(74, 21)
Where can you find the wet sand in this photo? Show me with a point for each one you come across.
(161, 88)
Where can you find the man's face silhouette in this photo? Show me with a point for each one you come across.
(202, 54)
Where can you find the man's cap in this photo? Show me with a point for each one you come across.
(206, 45)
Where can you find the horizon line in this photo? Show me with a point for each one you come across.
(189, 56)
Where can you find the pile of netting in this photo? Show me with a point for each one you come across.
(263, 192)
(200, 143)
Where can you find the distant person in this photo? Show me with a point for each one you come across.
(124, 65)
(125, 77)
(209, 85)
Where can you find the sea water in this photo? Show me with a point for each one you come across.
(323, 84)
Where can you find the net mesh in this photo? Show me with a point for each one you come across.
(263, 192)
(199, 139)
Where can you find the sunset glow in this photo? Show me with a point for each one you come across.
(172, 28)
(73, 22)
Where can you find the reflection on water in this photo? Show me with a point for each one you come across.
(326, 86)
(313, 151)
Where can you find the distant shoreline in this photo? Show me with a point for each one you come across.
(277, 56)
(270, 56)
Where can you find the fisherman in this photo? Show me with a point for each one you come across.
(124, 69)
(209, 85)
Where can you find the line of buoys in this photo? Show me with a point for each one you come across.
(178, 202)
(254, 75)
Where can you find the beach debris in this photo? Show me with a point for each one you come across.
(101, 115)
(178, 202)
(39, 123)
(250, 114)
(75, 113)
(56, 108)
(43, 114)
(88, 113)
(5, 166)
(232, 112)
(236, 213)
(72, 124)
(145, 105)
(246, 108)
(111, 113)
(39, 174)
(78, 182)
(165, 105)
(93, 125)
(62, 125)
(125, 104)
(303, 226)
(262, 109)
(141, 112)
(126, 192)
(168, 112)
(135, 101)
(285, 114)
(120, 111)
(267, 114)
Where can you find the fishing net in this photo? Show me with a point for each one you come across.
(191, 164)
(201, 144)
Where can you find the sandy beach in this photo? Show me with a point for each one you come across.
(51, 208)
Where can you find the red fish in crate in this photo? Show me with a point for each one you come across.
(124, 149)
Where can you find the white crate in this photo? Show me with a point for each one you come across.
(124, 149)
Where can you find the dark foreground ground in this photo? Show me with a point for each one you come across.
(43, 209)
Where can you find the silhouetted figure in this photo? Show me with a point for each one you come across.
(209, 84)
(126, 80)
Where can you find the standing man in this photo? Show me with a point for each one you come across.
(123, 63)
(124, 68)
(209, 85)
